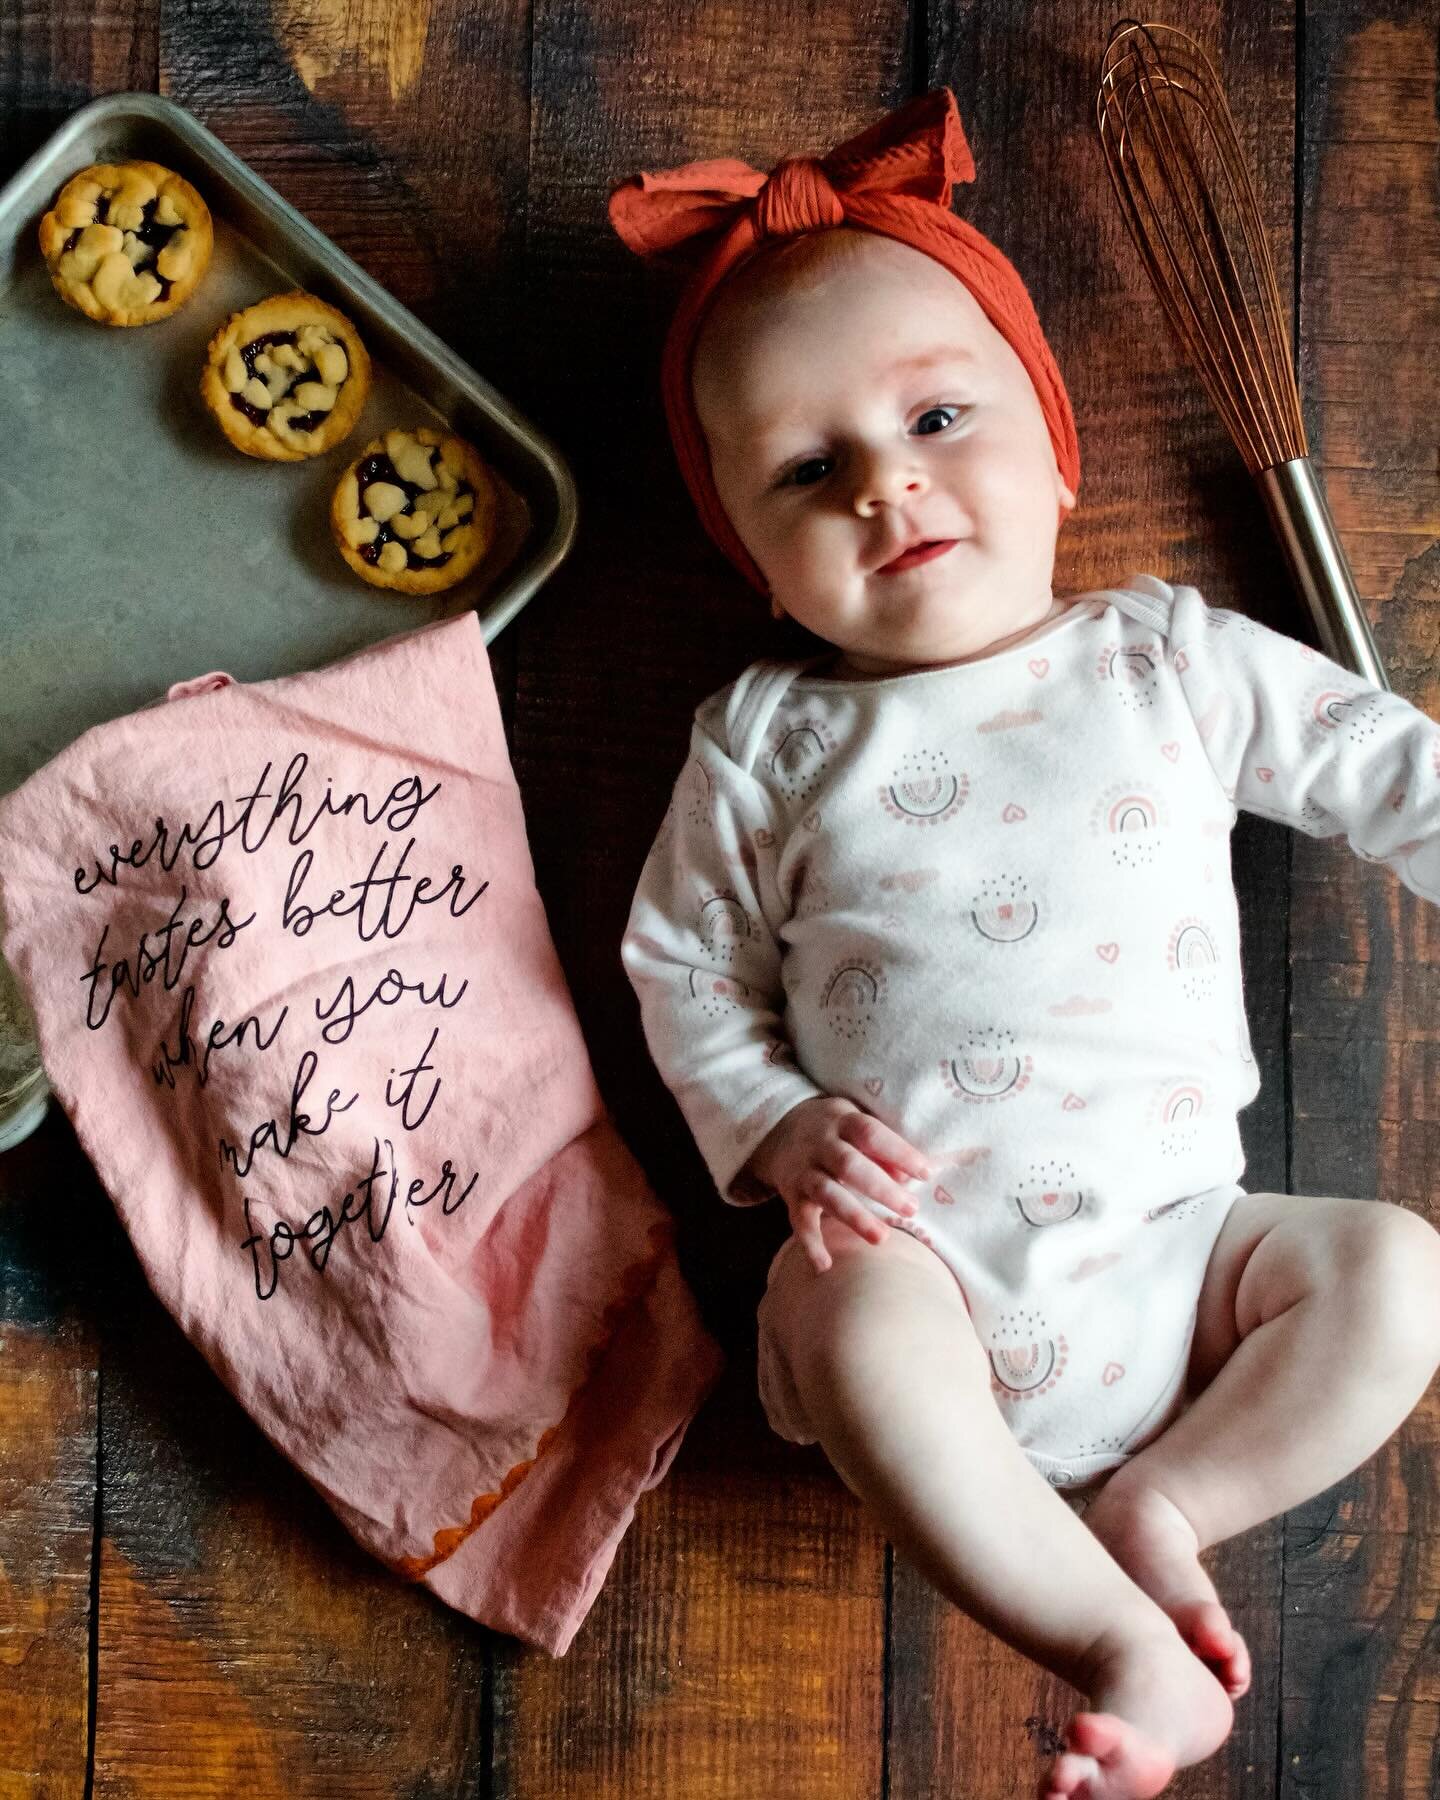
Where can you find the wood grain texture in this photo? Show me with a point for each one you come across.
(51, 1266)
(242, 1642)
(1360, 1620)
(1362, 1676)
(47, 1504)
(401, 130)
(57, 54)
(1366, 952)
(735, 1650)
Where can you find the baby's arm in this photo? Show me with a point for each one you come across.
(702, 950)
(1295, 737)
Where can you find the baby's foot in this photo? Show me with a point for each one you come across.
(1155, 1710)
(1156, 1545)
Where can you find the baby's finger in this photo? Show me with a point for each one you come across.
(808, 1214)
(882, 1144)
(861, 1175)
(842, 1205)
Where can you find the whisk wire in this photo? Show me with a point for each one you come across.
(1145, 124)
(1284, 394)
(1285, 428)
(1190, 205)
(1228, 318)
(1220, 372)
(1146, 220)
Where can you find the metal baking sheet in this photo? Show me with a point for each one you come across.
(140, 548)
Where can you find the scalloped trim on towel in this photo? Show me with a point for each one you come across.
(637, 1280)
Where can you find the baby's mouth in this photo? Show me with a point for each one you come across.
(916, 554)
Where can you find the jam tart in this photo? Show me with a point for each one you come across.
(415, 512)
(127, 243)
(286, 378)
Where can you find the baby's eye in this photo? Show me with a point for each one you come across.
(798, 476)
(936, 418)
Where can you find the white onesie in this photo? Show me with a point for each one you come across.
(992, 905)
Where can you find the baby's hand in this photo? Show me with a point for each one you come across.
(822, 1154)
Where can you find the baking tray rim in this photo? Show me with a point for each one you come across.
(496, 609)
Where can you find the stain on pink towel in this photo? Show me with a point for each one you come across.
(296, 992)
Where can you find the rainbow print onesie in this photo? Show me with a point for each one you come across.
(991, 903)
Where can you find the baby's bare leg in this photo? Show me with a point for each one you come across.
(887, 1366)
(1317, 1333)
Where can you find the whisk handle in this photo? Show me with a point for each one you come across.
(1302, 522)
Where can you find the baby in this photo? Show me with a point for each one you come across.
(938, 943)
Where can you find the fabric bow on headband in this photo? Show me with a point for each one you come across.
(895, 179)
(919, 152)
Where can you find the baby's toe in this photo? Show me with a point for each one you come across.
(1206, 1628)
(1130, 1763)
(1068, 1778)
(1237, 1675)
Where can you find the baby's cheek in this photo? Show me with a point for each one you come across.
(767, 549)
(1007, 474)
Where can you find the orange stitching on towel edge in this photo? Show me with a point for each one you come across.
(636, 1280)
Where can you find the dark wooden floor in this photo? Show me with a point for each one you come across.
(179, 1614)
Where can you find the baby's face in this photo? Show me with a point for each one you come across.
(876, 412)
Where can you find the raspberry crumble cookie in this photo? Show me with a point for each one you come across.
(126, 243)
(286, 378)
(416, 512)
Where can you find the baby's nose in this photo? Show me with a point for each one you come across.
(887, 480)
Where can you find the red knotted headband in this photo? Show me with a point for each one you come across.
(894, 179)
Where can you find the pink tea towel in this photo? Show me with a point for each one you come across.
(296, 992)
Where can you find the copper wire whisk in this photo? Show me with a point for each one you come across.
(1185, 191)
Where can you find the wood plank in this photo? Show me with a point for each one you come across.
(245, 1647)
(770, 1626)
(734, 1649)
(245, 1643)
(1161, 490)
(57, 54)
(52, 59)
(1362, 1677)
(1360, 1672)
(49, 1392)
